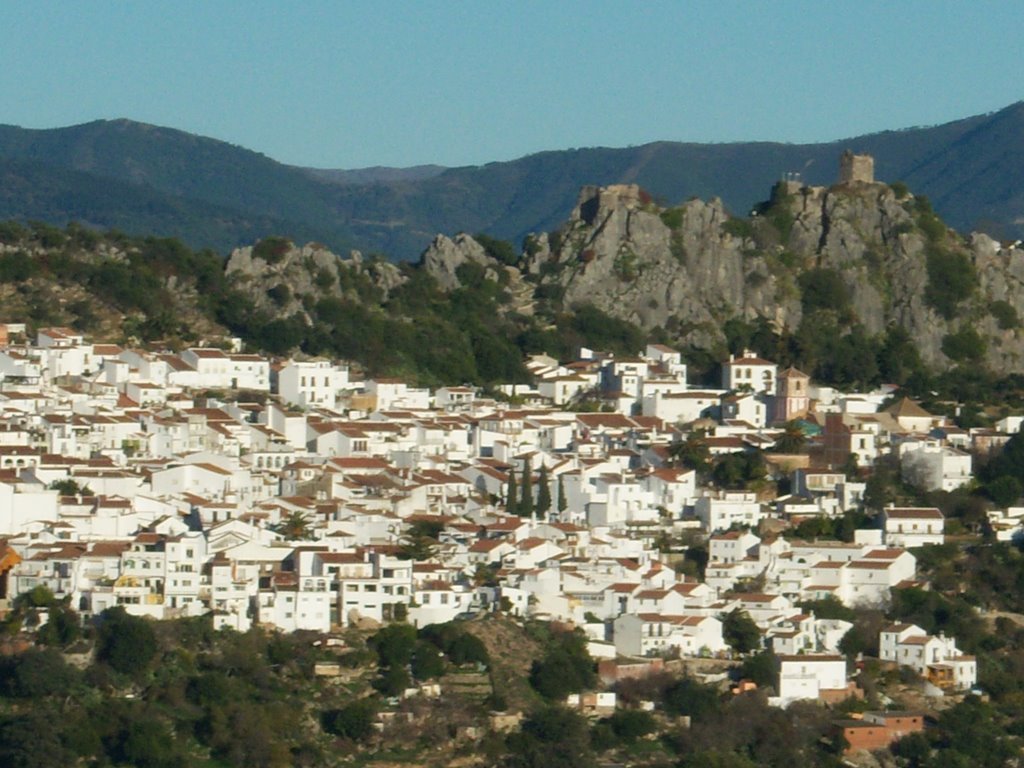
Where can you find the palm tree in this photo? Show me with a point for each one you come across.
(793, 439)
(296, 525)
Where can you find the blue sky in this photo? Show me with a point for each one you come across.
(347, 84)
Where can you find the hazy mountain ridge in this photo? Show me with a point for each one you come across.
(375, 174)
(970, 168)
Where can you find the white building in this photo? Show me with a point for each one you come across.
(650, 634)
(749, 372)
(935, 658)
(724, 509)
(809, 676)
(312, 383)
(934, 467)
(910, 527)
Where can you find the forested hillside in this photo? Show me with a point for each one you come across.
(150, 180)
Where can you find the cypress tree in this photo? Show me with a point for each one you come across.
(511, 501)
(526, 497)
(562, 503)
(544, 492)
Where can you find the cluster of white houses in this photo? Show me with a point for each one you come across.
(292, 494)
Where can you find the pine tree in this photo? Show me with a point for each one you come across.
(562, 503)
(543, 492)
(511, 501)
(526, 497)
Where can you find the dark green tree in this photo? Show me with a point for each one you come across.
(551, 737)
(692, 453)
(543, 492)
(563, 504)
(566, 667)
(353, 721)
(61, 629)
(740, 631)
(511, 495)
(629, 725)
(394, 644)
(421, 540)
(1005, 490)
(686, 696)
(526, 497)
(427, 661)
(126, 643)
(392, 681)
(759, 667)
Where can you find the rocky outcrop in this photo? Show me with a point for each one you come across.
(443, 258)
(280, 280)
(690, 268)
(445, 255)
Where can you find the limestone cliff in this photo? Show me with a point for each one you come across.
(690, 268)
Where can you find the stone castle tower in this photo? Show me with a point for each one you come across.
(856, 168)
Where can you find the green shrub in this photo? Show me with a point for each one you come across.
(686, 696)
(964, 346)
(392, 681)
(271, 249)
(672, 217)
(47, 235)
(951, 279)
(531, 245)
(927, 221)
(1005, 315)
(741, 228)
(555, 238)
(677, 249)
(626, 266)
(822, 288)
(280, 294)
(12, 233)
(36, 673)
(324, 279)
(17, 267)
(499, 250)
(899, 189)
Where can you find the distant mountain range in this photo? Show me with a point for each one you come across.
(145, 179)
